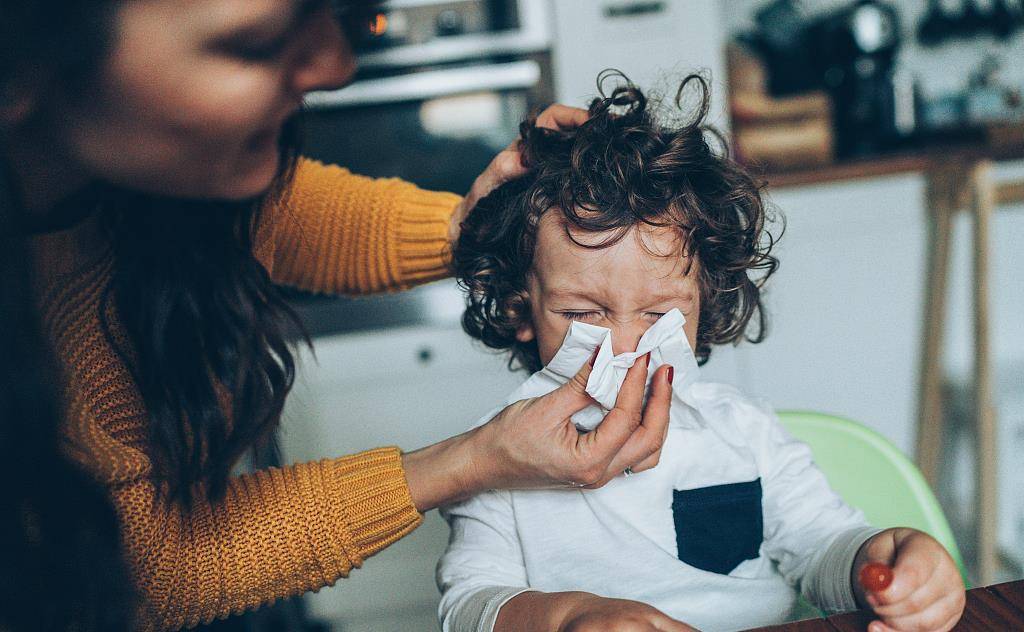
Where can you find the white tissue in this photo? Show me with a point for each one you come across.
(665, 340)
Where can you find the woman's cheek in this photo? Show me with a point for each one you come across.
(233, 101)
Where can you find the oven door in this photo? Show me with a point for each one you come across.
(438, 128)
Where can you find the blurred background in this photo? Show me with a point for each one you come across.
(871, 122)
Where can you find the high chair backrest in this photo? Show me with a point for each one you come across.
(870, 473)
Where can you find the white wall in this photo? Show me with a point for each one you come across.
(846, 304)
(654, 50)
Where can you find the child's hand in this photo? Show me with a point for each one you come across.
(926, 593)
(535, 611)
(603, 614)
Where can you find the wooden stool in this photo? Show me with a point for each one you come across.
(952, 186)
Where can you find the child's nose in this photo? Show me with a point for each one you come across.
(626, 337)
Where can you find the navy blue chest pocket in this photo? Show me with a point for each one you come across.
(719, 527)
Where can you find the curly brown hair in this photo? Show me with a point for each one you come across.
(619, 169)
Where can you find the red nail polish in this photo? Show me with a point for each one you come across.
(593, 358)
(671, 374)
(648, 358)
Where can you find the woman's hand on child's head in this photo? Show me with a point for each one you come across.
(508, 165)
(534, 443)
(926, 593)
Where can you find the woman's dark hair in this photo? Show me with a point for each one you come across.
(202, 327)
(619, 169)
(61, 563)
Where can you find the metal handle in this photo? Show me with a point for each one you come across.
(518, 75)
(633, 9)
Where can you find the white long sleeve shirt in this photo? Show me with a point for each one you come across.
(728, 529)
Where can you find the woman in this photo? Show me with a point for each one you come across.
(148, 139)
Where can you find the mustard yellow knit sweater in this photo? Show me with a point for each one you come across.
(279, 532)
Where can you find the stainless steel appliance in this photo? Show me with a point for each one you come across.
(441, 89)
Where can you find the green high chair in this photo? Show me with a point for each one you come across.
(870, 473)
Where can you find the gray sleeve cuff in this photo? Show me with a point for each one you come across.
(827, 583)
(479, 611)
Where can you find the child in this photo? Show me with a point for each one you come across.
(633, 242)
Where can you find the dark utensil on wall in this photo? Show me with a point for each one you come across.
(1002, 19)
(936, 26)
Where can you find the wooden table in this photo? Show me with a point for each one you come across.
(994, 609)
(958, 177)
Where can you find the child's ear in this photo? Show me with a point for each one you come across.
(525, 332)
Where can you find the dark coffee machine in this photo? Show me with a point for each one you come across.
(853, 56)
(851, 53)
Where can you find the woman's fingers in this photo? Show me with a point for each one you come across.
(622, 421)
(508, 165)
(643, 450)
(658, 408)
(646, 429)
(571, 397)
(562, 117)
(630, 400)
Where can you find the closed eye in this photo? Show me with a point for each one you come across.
(578, 315)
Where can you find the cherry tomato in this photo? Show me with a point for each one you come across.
(875, 577)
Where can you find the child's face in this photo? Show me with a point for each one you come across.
(625, 287)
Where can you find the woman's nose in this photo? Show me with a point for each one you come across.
(627, 336)
(328, 62)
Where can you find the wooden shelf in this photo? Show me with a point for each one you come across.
(888, 165)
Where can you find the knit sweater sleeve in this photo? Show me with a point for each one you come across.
(338, 233)
(277, 533)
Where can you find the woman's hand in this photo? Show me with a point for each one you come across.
(508, 164)
(534, 443)
(926, 593)
(582, 612)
